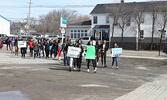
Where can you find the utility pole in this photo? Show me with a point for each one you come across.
(29, 17)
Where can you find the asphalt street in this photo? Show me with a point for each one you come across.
(49, 79)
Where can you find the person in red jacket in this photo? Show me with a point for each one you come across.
(31, 47)
(1, 43)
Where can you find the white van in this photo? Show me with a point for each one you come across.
(86, 39)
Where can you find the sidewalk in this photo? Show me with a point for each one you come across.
(142, 54)
(150, 91)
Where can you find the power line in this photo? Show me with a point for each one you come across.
(49, 6)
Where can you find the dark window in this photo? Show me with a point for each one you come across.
(82, 30)
(95, 20)
(78, 30)
(107, 19)
(86, 31)
(79, 36)
(128, 21)
(82, 35)
(72, 35)
(142, 34)
(75, 35)
(71, 30)
(116, 21)
(86, 34)
(142, 19)
(75, 30)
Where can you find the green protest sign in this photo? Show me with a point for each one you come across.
(90, 54)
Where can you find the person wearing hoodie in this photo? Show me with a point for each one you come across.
(12, 46)
(35, 48)
(31, 47)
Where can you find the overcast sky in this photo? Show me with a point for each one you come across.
(12, 8)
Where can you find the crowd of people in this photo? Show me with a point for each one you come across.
(53, 48)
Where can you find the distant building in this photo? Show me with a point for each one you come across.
(102, 18)
(19, 28)
(4, 25)
(78, 30)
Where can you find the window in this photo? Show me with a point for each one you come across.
(79, 36)
(128, 21)
(142, 34)
(86, 34)
(71, 30)
(75, 35)
(95, 20)
(142, 19)
(116, 21)
(107, 19)
(75, 30)
(163, 36)
(86, 31)
(72, 36)
(82, 30)
(82, 35)
(78, 31)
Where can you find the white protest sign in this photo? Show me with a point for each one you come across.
(22, 44)
(73, 52)
(116, 52)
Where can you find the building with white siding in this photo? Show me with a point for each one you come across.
(103, 16)
(4, 25)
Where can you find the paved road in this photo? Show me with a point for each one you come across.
(48, 79)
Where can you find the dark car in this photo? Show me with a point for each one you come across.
(165, 49)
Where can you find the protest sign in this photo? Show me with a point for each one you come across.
(22, 44)
(90, 54)
(73, 52)
(116, 52)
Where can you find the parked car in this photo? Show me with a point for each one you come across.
(165, 49)
(85, 40)
(4, 37)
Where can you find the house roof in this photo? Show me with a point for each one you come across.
(82, 23)
(102, 27)
(5, 18)
(130, 7)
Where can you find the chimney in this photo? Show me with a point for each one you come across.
(122, 1)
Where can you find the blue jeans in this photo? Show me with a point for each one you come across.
(115, 59)
(39, 52)
(71, 62)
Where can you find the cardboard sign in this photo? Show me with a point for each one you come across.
(22, 44)
(73, 52)
(116, 52)
(90, 54)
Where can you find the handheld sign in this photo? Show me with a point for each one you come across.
(90, 54)
(73, 52)
(116, 52)
(22, 44)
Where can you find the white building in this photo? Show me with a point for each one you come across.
(103, 15)
(4, 25)
(78, 30)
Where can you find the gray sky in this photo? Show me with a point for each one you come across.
(19, 8)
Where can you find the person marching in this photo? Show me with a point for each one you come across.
(8, 43)
(103, 49)
(12, 46)
(23, 49)
(64, 49)
(59, 49)
(35, 47)
(79, 60)
(70, 58)
(47, 48)
(31, 47)
(39, 48)
(97, 52)
(90, 43)
(115, 59)
(16, 46)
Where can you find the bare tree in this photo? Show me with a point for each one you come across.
(123, 16)
(139, 19)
